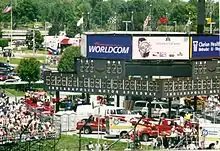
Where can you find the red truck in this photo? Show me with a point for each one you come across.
(145, 129)
(92, 125)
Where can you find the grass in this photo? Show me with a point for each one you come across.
(12, 60)
(13, 92)
(71, 143)
(17, 60)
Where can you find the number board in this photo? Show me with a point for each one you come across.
(55, 81)
(100, 68)
(187, 86)
(203, 69)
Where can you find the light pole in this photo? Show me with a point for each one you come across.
(34, 42)
(210, 15)
(189, 23)
(115, 21)
(132, 19)
(167, 21)
(126, 24)
(150, 15)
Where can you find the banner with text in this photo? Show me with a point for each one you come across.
(205, 47)
(160, 48)
(109, 47)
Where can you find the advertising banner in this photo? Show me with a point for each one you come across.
(160, 48)
(109, 47)
(205, 47)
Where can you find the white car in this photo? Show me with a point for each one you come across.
(159, 109)
(12, 80)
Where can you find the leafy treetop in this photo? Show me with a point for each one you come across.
(29, 69)
(67, 60)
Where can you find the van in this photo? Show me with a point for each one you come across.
(139, 105)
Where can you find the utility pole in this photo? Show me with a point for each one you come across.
(33, 41)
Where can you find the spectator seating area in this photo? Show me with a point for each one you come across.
(19, 123)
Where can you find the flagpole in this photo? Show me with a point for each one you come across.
(83, 22)
(11, 27)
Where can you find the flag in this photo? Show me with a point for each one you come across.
(80, 21)
(7, 9)
(148, 18)
(163, 20)
(189, 22)
(209, 20)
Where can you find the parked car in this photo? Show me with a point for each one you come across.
(182, 109)
(92, 125)
(159, 109)
(6, 66)
(3, 77)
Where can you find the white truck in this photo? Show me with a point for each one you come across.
(117, 128)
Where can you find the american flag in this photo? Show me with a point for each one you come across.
(148, 18)
(8, 8)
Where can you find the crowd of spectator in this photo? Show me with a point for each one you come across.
(52, 60)
(19, 122)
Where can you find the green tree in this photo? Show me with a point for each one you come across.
(67, 60)
(29, 70)
(38, 39)
(3, 43)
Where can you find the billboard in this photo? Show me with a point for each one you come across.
(205, 47)
(109, 47)
(160, 48)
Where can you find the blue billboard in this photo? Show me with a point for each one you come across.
(205, 47)
(109, 47)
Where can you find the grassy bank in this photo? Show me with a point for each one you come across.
(71, 143)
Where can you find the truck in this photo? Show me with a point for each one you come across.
(146, 128)
(118, 127)
(92, 125)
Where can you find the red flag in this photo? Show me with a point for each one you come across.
(163, 20)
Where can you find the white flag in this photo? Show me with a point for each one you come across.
(80, 22)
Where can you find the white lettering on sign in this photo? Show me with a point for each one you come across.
(206, 46)
(106, 49)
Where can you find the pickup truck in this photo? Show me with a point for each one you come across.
(146, 129)
(92, 125)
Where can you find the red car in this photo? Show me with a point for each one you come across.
(3, 77)
(91, 125)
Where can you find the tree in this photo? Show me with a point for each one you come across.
(38, 39)
(3, 43)
(67, 60)
(29, 70)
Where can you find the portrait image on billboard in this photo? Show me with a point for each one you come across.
(205, 47)
(160, 48)
(109, 47)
